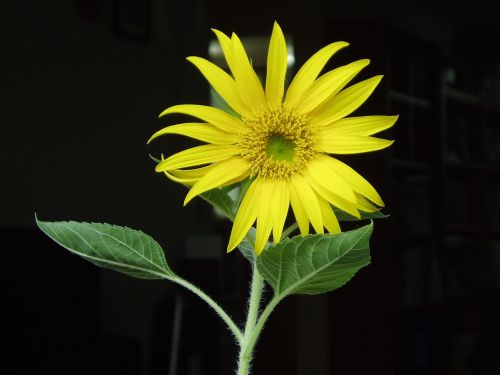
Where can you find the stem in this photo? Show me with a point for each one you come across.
(200, 293)
(260, 323)
(248, 342)
(289, 230)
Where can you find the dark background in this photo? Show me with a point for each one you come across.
(82, 84)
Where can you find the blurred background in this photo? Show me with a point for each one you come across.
(83, 82)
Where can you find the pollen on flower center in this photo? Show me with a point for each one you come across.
(277, 143)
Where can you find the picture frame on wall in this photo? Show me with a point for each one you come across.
(131, 19)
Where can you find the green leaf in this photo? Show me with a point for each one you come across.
(315, 264)
(220, 199)
(219, 102)
(246, 246)
(119, 248)
(245, 184)
(344, 216)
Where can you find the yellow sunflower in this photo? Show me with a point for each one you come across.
(281, 141)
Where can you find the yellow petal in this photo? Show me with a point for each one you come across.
(188, 176)
(329, 84)
(235, 168)
(354, 179)
(299, 211)
(277, 61)
(279, 208)
(246, 215)
(180, 180)
(222, 82)
(233, 181)
(350, 144)
(363, 125)
(365, 205)
(309, 72)
(329, 179)
(329, 219)
(264, 218)
(247, 81)
(226, 46)
(197, 156)
(334, 199)
(202, 131)
(214, 116)
(191, 174)
(345, 102)
(309, 201)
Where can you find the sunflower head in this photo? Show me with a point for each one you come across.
(284, 140)
(277, 143)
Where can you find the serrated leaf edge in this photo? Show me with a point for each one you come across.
(288, 241)
(42, 225)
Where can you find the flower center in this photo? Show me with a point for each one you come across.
(280, 148)
(277, 143)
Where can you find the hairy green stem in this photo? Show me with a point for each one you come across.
(232, 326)
(247, 344)
(289, 230)
(252, 340)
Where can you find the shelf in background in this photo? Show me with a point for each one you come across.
(415, 166)
(409, 99)
(465, 97)
(461, 95)
(472, 166)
